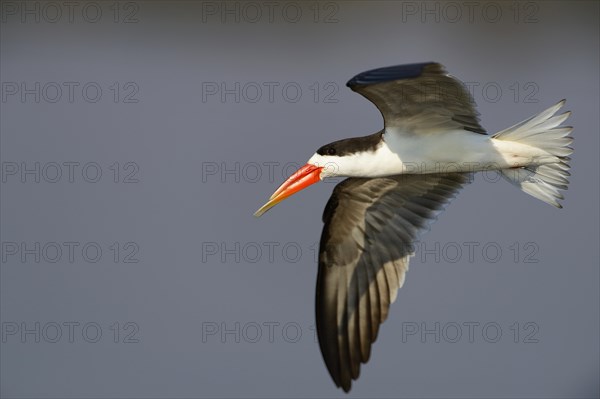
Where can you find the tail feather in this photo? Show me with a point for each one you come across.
(542, 131)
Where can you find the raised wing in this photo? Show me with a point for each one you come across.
(418, 98)
(370, 226)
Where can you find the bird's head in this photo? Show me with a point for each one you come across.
(330, 160)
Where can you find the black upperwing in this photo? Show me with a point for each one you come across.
(419, 98)
(370, 226)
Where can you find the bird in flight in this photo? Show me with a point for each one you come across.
(399, 179)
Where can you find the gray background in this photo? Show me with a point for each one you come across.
(177, 213)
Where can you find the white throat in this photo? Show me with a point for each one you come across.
(380, 162)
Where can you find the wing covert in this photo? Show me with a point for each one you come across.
(419, 98)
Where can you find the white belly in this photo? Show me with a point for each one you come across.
(456, 151)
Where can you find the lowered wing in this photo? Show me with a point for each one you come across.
(370, 226)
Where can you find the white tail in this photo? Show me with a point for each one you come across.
(542, 131)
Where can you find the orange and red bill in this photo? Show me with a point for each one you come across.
(304, 177)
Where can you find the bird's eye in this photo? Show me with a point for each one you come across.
(331, 151)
